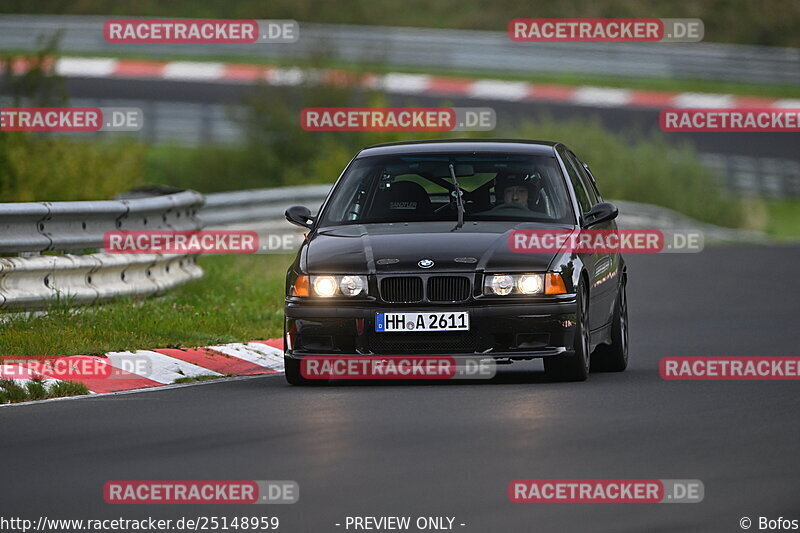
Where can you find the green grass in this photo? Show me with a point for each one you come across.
(240, 299)
(783, 219)
(560, 78)
(37, 389)
(35, 168)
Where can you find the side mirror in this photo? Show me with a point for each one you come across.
(300, 215)
(602, 212)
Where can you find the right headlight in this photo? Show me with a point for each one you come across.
(330, 286)
(324, 286)
(523, 284)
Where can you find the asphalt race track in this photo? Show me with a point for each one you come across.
(450, 449)
(627, 120)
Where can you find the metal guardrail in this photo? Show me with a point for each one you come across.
(32, 281)
(36, 281)
(258, 204)
(69, 226)
(445, 49)
(755, 176)
(29, 283)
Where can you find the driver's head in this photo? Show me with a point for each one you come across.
(514, 189)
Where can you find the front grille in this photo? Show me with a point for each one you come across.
(448, 288)
(401, 289)
(423, 343)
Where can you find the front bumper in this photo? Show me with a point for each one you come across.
(521, 330)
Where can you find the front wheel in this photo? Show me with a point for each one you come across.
(574, 366)
(614, 357)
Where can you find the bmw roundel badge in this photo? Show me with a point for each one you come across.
(425, 263)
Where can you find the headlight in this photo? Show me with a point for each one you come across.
(352, 285)
(530, 283)
(324, 286)
(500, 285)
(330, 286)
(523, 284)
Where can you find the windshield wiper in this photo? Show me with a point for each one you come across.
(459, 200)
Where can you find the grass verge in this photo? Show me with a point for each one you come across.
(783, 219)
(38, 389)
(240, 299)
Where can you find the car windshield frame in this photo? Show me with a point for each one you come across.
(365, 170)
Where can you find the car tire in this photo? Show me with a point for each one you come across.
(573, 366)
(293, 375)
(614, 357)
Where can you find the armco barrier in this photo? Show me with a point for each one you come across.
(258, 204)
(69, 226)
(36, 281)
(31, 282)
(450, 49)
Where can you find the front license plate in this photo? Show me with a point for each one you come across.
(448, 321)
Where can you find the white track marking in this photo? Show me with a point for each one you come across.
(287, 76)
(162, 368)
(499, 90)
(787, 102)
(395, 82)
(701, 100)
(602, 96)
(86, 67)
(258, 354)
(193, 71)
(272, 353)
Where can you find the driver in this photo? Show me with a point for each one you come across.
(512, 192)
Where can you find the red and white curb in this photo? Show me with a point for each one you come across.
(163, 366)
(401, 83)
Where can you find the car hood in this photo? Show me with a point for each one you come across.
(399, 247)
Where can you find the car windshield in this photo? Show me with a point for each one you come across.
(420, 188)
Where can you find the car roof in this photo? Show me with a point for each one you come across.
(461, 145)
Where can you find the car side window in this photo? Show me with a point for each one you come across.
(591, 188)
(584, 199)
(596, 190)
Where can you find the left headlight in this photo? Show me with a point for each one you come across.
(523, 284)
(330, 286)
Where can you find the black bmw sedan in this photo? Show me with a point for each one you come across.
(411, 254)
